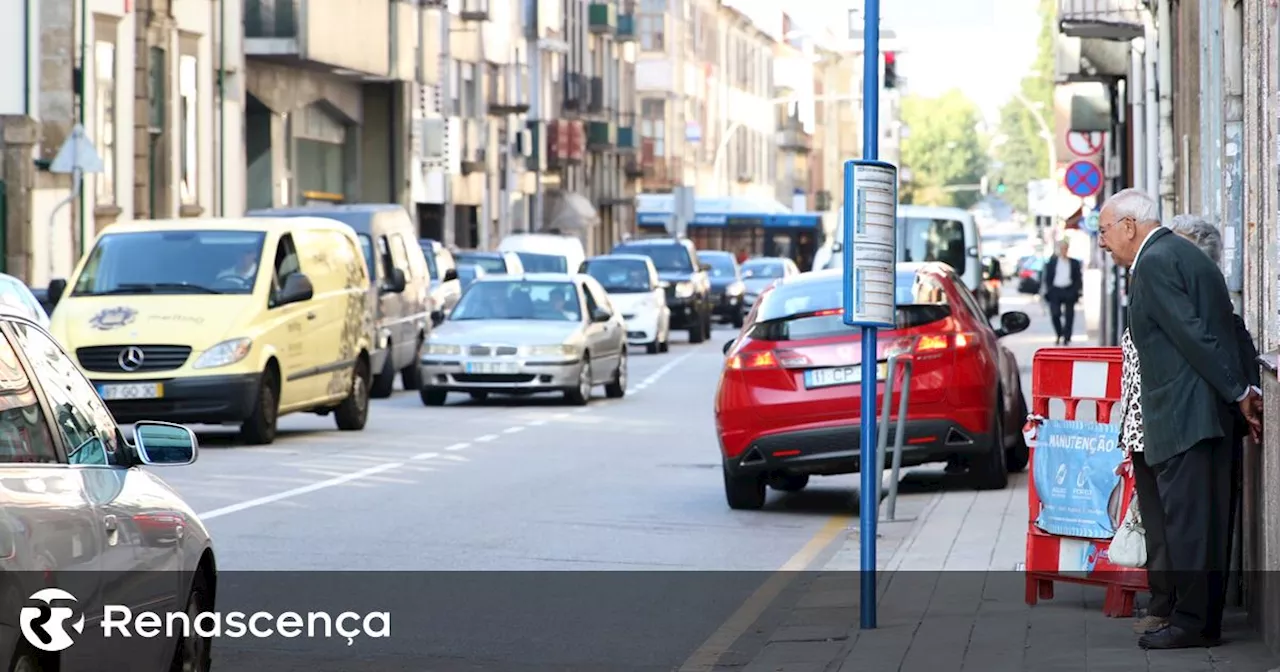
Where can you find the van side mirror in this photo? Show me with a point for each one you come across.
(57, 287)
(451, 274)
(297, 287)
(1012, 323)
(396, 282)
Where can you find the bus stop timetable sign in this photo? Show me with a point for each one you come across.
(870, 243)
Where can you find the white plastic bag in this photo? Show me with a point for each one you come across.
(1129, 545)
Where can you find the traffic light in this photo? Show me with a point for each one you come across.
(1000, 187)
(890, 70)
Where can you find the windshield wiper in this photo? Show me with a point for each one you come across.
(154, 286)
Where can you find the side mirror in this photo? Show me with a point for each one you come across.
(663, 284)
(57, 287)
(705, 267)
(600, 315)
(437, 316)
(396, 282)
(728, 345)
(1013, 323)
(163, 443)
(297, 287)
(451, 274)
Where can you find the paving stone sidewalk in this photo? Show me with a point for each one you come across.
(951, 600)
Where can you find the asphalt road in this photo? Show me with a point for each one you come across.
(525, 486)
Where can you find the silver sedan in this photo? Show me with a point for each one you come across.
(537, 332)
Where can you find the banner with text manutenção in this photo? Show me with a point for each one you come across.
(1075, 477)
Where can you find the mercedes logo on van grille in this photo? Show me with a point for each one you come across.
(130, 358)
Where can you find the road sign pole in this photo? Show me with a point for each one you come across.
(869, 507)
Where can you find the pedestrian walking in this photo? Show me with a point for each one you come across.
(1062, 283)
(1180, 320)
(1209, 240)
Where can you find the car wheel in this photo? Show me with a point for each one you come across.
(653, 348)
(433, 397)
(1017, 457)
(411, 376)
(581, 395)
(789, 482)
(260, 427)
(384, 383)
(744, 492)
(665, 346)
(353, 412)
(192, 653)
(738, 318)
(697, 329)
(992, 473)
(706, 323)
(617, 388)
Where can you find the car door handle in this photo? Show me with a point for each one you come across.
(311, 316)
(109, 522)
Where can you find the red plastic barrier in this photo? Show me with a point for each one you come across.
(1077, 384)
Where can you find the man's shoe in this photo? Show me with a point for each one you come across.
(1149, 624)
(1173, 637)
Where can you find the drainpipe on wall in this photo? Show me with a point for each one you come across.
(446, 110)
(1151, 107)
(1232, 156)
(1136, 89)
(1164, 38)
(220, 153)
(1210, 34)
(84, 76)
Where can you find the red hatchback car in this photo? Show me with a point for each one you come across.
(788, 402)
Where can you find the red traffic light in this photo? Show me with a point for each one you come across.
(890, 57)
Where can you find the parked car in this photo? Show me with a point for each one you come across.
(445, 287)
(726, 286)
(760, 272)
(632, 283)
(223, 320)
(1029, 271)
(77, 497)
(399, 286)
(546, 252)
(783, 406)
(540, 332)
(688, 282)
(493, 263)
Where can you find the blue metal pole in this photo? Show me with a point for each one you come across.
(868, 508)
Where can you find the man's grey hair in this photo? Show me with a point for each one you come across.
(1205, 235)
(1133, 203)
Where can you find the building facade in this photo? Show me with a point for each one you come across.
(157, 87)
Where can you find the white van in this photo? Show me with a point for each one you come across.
(546, 252)
(925, 233)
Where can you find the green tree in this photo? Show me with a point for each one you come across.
(1024, 155)
(942, 149)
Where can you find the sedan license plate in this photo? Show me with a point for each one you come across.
(840, 375)
(131, 391)
(493, 367)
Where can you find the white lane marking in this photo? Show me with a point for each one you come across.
(455, 458)
(537, 423)
(513, 430)
(424, 456)
(560, 416)
(457, 446)
(320, 485)
(633, 390)
(486, 438)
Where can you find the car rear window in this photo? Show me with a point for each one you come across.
(543, 263)
(924, 239)
(800, 311)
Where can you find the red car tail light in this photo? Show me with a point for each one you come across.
(936, 342)
(763, 359)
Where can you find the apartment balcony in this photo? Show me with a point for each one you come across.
(602, 18)
(795, 140)
(508, 92)
(602, 136)
(628, 139)
(566, 142)
(474, 10)
(596, 102)
(1117, 20)
(626, 28)
(351, 38)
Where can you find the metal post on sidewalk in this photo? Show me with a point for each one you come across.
(870, 242)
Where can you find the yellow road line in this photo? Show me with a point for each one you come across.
(707, 655)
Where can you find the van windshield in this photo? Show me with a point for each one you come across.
(172, 262)
(926, 239)
(543, 263)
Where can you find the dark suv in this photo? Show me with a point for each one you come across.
(685, 281)
(726, 286)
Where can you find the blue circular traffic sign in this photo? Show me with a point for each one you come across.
(1083, 179)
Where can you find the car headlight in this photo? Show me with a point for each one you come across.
(558, 350)
(734, 290)
(443, 349)
(684, 290)
(225, 353)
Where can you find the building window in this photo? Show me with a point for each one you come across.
(652, 25)
(653, 124)
(104, 57)
(190, 128)
(321, 160)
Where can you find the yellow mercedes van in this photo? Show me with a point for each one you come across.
(222, 321)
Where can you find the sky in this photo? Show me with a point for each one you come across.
(982, 47)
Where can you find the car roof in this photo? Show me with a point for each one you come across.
(531, 277)
(761, 260)
(651, 241)
(481, 253)
(255, 224)
(623, 257)
(715, 253)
